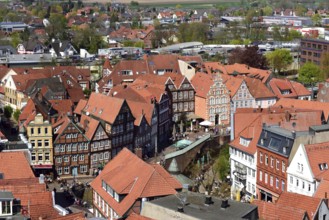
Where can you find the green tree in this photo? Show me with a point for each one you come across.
(57, 26)
(300, 10)
(316, 18)
(222, 164)
(8, 111)
(325, 65)
(276, 34)
(134, 4)
(309, 74)
(15, 39)
(293, 34)
(88, 39)
(279, 59)
(192, 32)
(16, 114)
(267, 11)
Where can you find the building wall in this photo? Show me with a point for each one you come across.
(100, 148)
(10, 93)
(312, 50)
(218, 102)
(186, 69)
(299, 174)
(200, 107)
(241, 161)
(275, 170)
(40, 136)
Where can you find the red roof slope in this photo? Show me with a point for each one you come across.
(128, 174)
(10, 167)
(296, 89)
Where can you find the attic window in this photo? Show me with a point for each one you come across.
(100, 111)
(1, 176)
(323, 166)
(285, 92)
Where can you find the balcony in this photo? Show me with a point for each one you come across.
(240, 172)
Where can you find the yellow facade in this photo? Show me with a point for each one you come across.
(40, 137)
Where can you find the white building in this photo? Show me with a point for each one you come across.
(308, 168)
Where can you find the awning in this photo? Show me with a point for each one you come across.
(40, 166)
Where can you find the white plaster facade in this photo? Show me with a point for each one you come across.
(244, 162)
(300, 177)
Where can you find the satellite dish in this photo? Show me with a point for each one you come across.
(46, 22)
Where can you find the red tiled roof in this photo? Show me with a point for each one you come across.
(90, 125)
(296, 89)
(141, 109)
(126, 168)
(63, 107)
(317, 154)
(202, 83)
(73, 216)
(81, 104)
(10, 167)
(98, 106)
(304, 104)
(322, 189)
(134, 216)
(272, 211)
(309, 204)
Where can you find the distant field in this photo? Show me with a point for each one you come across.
(173, 3)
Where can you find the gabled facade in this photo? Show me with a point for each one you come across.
(100, 144)
(31, 46)
(40, 136)
(115, 117)
(71, 149)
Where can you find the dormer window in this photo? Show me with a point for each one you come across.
(285, 92)
(244, 141)
(6, 203)
(323, 166)
(127, 72)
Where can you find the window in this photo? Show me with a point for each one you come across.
(46, 143)
(66, 170)
(40, 156)
(62, 148)
(95, 157)
(59, 170)
(33, 156)
(83, 168)
(39, 130)
(283, 167)
(66, 158)
(277, 164)
(106, 155)
(282, 185)
(46, 130)
(68, 148)
(82, 157)
(277, 183)
(261, 157)
(75, 158)
(39, 143)
(59, 159)
(32, 130)
(253, 173)
(47, 156)
(266, 178)
(291, 180)
(300, 167)
(303, 185)
(33, 143)
(297, 182)
(260, 176)
(309, 187)
(271, 180)
(266, 159)
(6, 209)
(272, 162)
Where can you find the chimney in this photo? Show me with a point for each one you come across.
(139, 152)
(180, 209)
(224, 204)
(287, 116)
(208, 200)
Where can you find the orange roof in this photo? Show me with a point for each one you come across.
(304, 104)
(90, 125)
(73, 216)
(318, 154)
(128, 174)
(63, 107)
(258, 89)
(202, 83)
(21, 81)
(322, 190)
(296, 89)
(81, 104)
(104, 107)
(141, 109)
(11, 169)
(272, 211)
(309, 204)
(134, 216)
